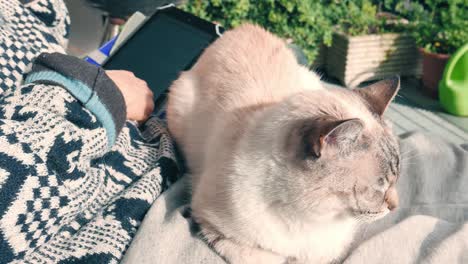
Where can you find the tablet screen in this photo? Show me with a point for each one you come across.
(162, 48)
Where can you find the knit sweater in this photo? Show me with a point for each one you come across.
(76, 179)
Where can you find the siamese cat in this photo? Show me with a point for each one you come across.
(283, 170)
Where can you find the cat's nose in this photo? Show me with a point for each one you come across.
(391, 198)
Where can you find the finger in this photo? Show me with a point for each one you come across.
(117, 21)
(143, 83)
(149, 108)
(141, 116)
(146, 111)
(151, 105)
(125, 73)
(148, 92)
(111, 73)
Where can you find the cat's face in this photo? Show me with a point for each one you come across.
(362, 176)
(340, 159)
(375, 174)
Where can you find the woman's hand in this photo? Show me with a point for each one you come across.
(138, 97)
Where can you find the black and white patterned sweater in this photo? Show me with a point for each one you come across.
(76, 179)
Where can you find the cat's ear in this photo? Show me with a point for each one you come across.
(380, 94)
(313, 137)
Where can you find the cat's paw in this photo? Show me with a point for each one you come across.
(234, 252)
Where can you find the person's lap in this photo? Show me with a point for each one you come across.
(430, 223)
(55, 208)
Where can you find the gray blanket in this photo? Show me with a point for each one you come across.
(430, 226)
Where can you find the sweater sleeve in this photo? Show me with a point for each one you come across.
(62, 189)
(88, 84)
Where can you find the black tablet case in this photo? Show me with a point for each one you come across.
(169, 42)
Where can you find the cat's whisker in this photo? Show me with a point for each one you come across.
(410, 162)
(405, 98)
(412, 157)
(410, 151)
(409, 159)
(401, 96)
(409, 155)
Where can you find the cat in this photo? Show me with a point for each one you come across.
(282, 169)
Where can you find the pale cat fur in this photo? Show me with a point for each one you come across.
(283, 170)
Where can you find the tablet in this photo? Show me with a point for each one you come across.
(170, 41)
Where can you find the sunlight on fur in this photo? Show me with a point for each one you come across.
(283, 170)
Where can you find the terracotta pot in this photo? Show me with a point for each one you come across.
(433, 69)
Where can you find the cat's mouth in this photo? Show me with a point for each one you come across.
(371, 212)
(371, 215)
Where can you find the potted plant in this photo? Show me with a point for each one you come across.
(439, 27)
(302, 22)
(369, 45)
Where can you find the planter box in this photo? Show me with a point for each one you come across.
(354, 60)
(321, 59)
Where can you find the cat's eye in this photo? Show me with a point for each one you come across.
(381, 181)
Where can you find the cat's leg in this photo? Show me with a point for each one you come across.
(235, 253)
(180, 105)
